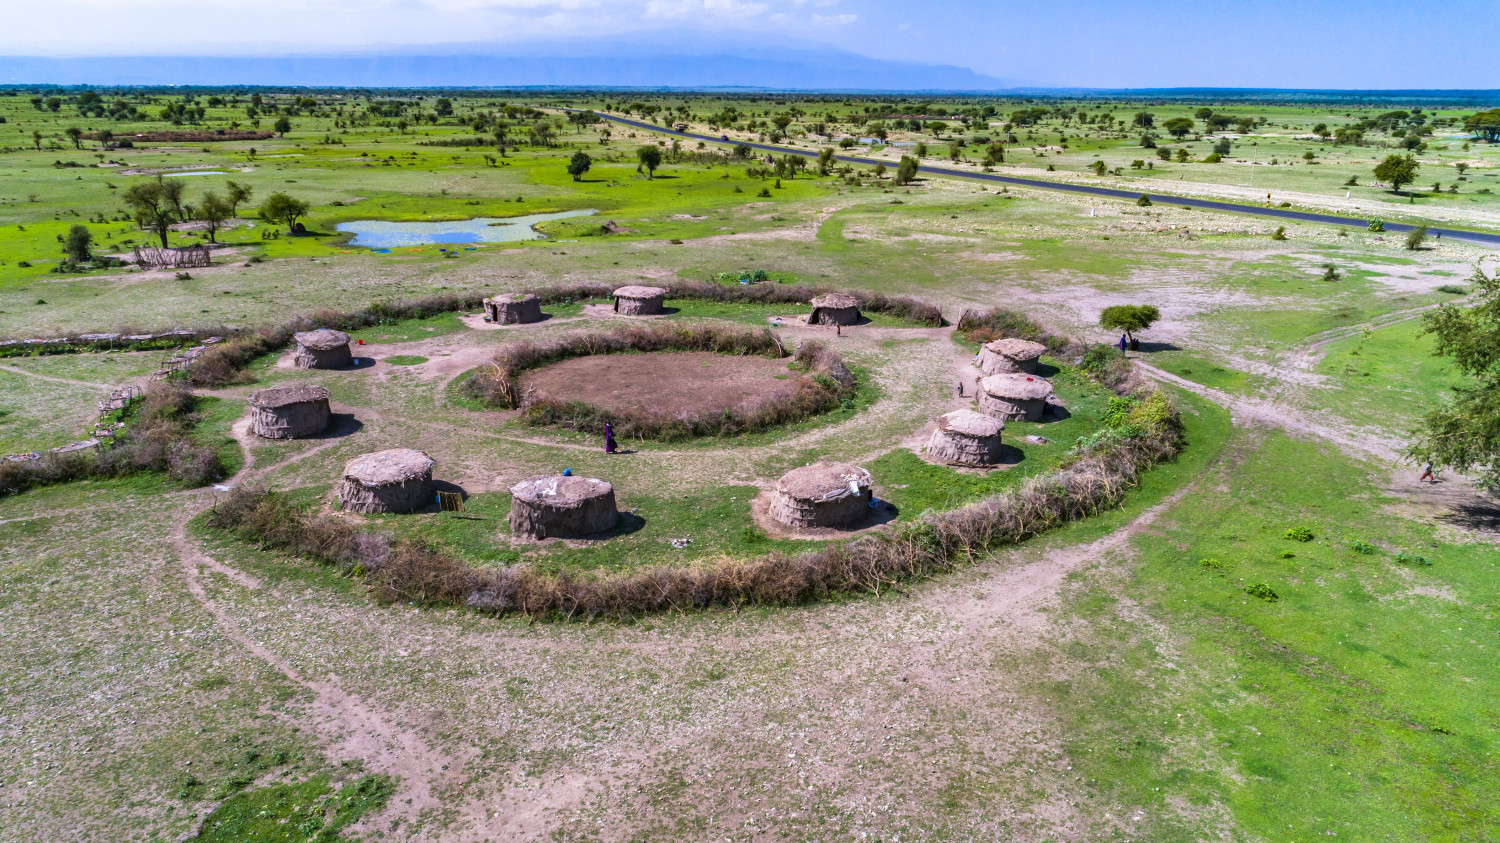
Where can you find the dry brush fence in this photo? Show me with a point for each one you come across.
(1095, 477)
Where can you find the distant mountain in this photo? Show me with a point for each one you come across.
(639, 64)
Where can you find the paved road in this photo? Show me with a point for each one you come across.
(1109, 192)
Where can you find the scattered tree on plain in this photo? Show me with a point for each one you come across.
(1397, 170)
(79, 244)
(213, 210)
(1178, 127)
(1130, 318)
(284, 209)
(649, 157)
(237, 194)
(282, 126)
(156, 205)
(1464, 433)
(579, 164)
(906, 171)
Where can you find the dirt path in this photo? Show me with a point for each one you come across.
(69, 381)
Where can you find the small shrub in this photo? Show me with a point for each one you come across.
(1413, 559)
(1298, 534)
(1415, 237)
(1143, 200)
(1279, 233)
(1262, 591)
(1376, 224)
(1210, 564)
(1361, 547)
(1454, 289)
(1286, 554)
(184, 276)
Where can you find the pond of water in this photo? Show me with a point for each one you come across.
(195, 173)
(382, 234)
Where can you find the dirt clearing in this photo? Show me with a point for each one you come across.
(676, 382)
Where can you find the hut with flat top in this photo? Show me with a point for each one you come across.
(398, 480)
(824, 494)
(1014, 396)
(324, 348)
(834, 309)
(562, 506)
(289, 412)
(636, 300)
(513, 308)
(964, 437)
(1010, 355)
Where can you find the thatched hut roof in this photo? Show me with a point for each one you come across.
(282, 396)
(1017, 385)
(1016, 349)
(323, 339)
(560, 491)
(970, 423)
(637, 291)
(824, 482)
(512, 298)
(388, 468)
(839, 301)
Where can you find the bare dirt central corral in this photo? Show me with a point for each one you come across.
(673, 382)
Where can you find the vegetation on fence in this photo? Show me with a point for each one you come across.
(1142, 430)
(159, 438)
(825, 384)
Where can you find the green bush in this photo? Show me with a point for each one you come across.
(1299, 534)
(1361, 547)
(1263, 592)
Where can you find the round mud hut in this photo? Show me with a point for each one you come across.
(1014, 396)
(964, 437)
(824, 494)
(289, 412)
(1010, 355)
(398, 480)
(559, 506)
(324, 348)
(513, 308)
(834, 309)
(636, 300)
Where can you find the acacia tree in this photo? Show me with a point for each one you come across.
(1130, 318)
(649, 157)
(1464, 433)
(157, 205)
(237, 194)
(75, 135)
(1178, 127)
(579, 164)
(213, 210)
(1397, 170)
(279, 207)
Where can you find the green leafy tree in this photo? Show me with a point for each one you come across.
(1178, 127)
(213, 210)
(237, 194)
(994, 154)
(156, 205)
(443, 107)
(283, 125)
(1415, 237)
(79, 244)
(284, 209)
(579, 164)
(1397, 170)
(1130, 318)
(75, 135)
(1464, 433)
(906, 171)
(1486, 124)
(36, 139)
(1143, 120)
(825, 160)
(649, 157)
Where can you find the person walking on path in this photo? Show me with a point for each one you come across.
(1123, 343)
(960, 389)
(609, 438)
(1427, 474)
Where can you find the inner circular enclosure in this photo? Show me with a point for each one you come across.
(674, 382)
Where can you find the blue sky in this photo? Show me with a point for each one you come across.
(1095, 43)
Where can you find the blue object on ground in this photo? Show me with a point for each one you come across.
(567, 472)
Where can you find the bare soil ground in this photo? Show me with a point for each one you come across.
(675, 382)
